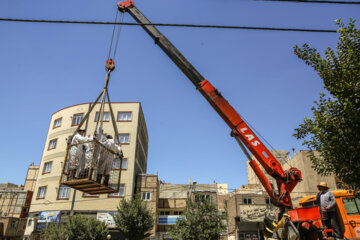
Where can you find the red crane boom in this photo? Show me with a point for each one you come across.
(286, 180)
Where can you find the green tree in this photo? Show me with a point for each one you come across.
(55, 231)
(82, 228)
(201, 221)
(78, 228)
(134, 219)
(334, 129)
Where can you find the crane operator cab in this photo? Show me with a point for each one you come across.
(89, 158)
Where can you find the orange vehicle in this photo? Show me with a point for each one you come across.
(305, 221)
(347, 211)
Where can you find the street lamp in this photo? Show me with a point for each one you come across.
(108, 237)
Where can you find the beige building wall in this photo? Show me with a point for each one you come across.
(135, 151)
(31, 177)
(308, 186)
(280, 155)
(302, 162)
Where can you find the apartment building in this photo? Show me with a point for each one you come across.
(247, 207)
(14, 207)
(168, 201)
(308, 186)
(58, 201)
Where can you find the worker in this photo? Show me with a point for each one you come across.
(326, 200)
(106, 159)
(76, 160)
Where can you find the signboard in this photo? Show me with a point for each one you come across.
(107, 218)
(168, 219)
(51, 216)
(256, 213)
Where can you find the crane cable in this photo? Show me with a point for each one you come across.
(119, 25)
(111, 49)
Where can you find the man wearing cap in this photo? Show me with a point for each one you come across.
(326, 200)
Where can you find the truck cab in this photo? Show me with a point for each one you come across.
(347, 211)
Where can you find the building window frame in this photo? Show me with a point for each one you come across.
(61, 191)
(202, 197)
(117, 166)
(41, 194)
(119, 194)
(52, 144)
(124, 139)
(247, 200)
(47, 167)
(146, 196)
(127, 116)
(268, 201)
(75, 119)
(56, 123)
(105, 114)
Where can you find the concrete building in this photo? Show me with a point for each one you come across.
(147, 187)
(54, 199)
(14, 207)
(247, 208)
(308, 186)
(302, 162)
(173, 197)
(31, 177)
(280, 155)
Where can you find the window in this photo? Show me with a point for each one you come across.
(30, 222)
(164, 213)
(146, 196)
(124, 138)
(41, 192)
(178, 213)
(202, 197)
(76, 120)
(47, 167)
(105, 118)
(90, 195)
(121, 192)
(124, 116)
(116, 164)
(267, 201)
(57, 123)
(14, 224)
(52, 144)
(64, 192)
(352, 206)
(247, 200)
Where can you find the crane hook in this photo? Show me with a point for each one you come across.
(109, 65)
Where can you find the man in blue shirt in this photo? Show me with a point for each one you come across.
(326, 200)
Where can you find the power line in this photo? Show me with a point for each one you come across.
(312, 1)
(171, 25)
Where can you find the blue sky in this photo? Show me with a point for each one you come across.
(46, 67)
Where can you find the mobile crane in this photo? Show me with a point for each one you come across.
(307, 219)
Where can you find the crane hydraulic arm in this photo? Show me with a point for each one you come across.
(286, 180)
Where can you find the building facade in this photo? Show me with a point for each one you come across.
(52, 198)
(247, 208)
(14, 207)
(168, 201)
(308, 186)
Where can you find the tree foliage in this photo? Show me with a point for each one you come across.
(334, 129)
(78, 228)
(55, 231)
(201, 221)
(134, 219)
